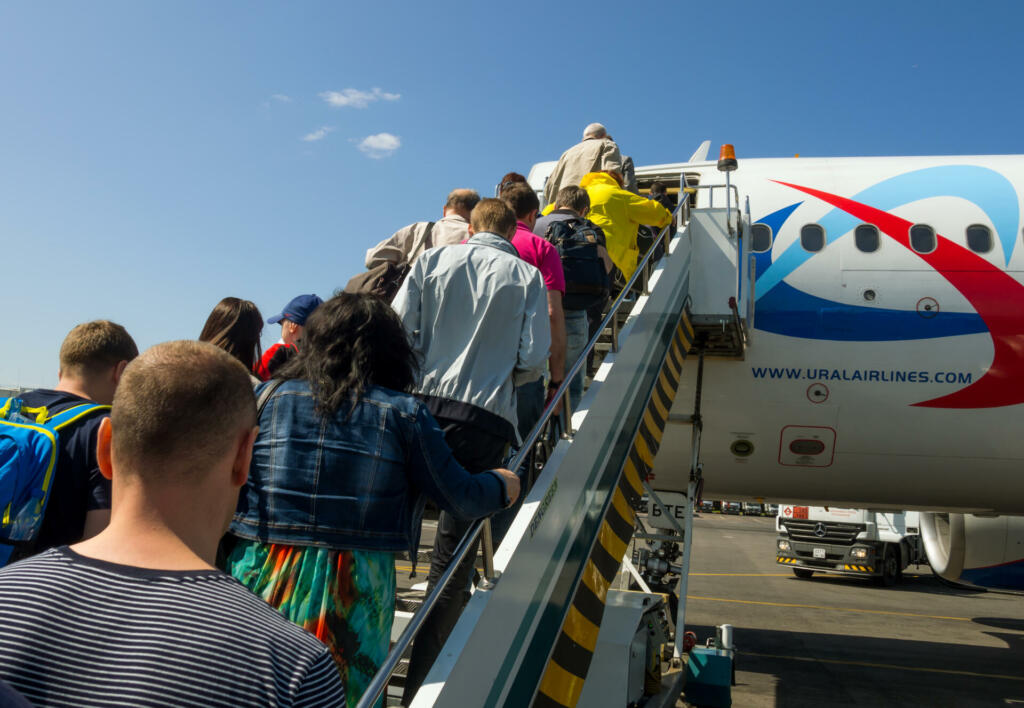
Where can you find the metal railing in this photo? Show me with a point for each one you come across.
(549, 428)
(730, 189)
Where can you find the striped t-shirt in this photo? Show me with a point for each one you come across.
(78, 631)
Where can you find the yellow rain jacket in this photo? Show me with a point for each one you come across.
(619, 213)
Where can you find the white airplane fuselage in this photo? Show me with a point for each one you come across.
(891, 377)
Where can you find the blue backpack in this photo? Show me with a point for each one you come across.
(29, 448)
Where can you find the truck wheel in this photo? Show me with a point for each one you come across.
(890, 567)
(803, 573)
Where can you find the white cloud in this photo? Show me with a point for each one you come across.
(380, 145)
(354, 98)
(282, 98)
(318, 134)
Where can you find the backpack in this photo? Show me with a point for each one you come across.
(586, 281)
(29, 448)
(384, 279)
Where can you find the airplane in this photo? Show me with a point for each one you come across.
(885, 361)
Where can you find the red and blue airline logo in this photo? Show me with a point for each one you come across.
(996, 297)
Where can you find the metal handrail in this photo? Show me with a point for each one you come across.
(383, 675)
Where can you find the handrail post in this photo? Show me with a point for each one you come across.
(490, 575)
(567, 411)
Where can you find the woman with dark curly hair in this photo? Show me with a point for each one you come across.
(235, 325)
(340, 468)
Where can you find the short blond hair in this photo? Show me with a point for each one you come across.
(93, 347)
(494, 216)
(178, 408)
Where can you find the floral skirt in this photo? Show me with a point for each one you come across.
(345, 598)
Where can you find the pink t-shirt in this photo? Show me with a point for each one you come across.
(541, 254)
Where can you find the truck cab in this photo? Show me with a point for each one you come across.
(858, 542)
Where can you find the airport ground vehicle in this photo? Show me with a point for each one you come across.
(875, 544)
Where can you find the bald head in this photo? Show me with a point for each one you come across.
(594, 130)
(461, 202)
(179, 408)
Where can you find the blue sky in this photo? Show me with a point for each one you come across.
(153, 158)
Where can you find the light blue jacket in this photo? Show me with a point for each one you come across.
(478, 317)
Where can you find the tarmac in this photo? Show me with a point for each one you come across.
(842, 641)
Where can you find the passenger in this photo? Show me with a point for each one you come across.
(406, 244)
(235, 326)
(508, 180)
(659, 193)
(533, 249)
(628, 172)
(572, 205)
(293, 320)
(340, 469)
(619, 213)
(629, 175)
(138, 615)
(92, 359)
(478, 318)
(595, 153)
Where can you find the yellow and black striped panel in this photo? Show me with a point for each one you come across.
(567, 669)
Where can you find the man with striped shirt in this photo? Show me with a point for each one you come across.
(138, 616)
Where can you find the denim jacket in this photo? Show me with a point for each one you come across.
(356, 483)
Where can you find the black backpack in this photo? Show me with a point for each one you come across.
(586, 281)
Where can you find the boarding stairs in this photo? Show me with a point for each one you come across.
(547, 625)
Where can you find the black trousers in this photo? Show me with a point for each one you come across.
(476, 450)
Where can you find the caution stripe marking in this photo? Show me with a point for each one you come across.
(570, 660)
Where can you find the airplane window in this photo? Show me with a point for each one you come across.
(922, 238)
(760, 238)
(812, 237)
(979, 238)
(866, 237)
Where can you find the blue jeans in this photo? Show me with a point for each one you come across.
(529, 405)
(576, 335)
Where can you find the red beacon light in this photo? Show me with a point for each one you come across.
(727, 159)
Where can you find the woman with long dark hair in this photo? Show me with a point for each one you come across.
(235, 325)
(340, 468)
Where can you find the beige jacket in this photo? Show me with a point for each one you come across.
(591, 155)
(406, 244)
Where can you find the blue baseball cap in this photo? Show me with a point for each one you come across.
(298, 309)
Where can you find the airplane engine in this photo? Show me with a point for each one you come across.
(982, 550)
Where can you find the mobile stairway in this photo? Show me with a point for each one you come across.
(546, 626)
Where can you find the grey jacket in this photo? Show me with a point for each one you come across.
(478, 317)
(629, 175)
(406, 244)
(591, 155)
